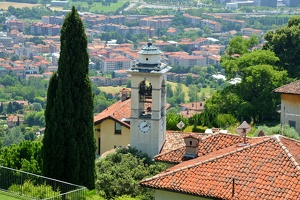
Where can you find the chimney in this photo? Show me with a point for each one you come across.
(191, 147)
(124, 94)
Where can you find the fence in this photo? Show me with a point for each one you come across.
(32, 186)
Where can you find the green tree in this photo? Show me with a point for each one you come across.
(193, 93)
(169, 90)
(10, 108)
(284, 42)
(25, 156)
(252, 98)
(179, 94)
(119, 173)
(69, 145)
(256, 89)
(238, 46)
(188, 80)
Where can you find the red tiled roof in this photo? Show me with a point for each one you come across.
(207, 144)
(291, 88)
(117, 111)
(267, 168)
(193, 105)
(174, 140)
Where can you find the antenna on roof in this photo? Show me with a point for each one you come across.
(242, 131)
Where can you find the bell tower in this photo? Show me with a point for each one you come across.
(148, 101)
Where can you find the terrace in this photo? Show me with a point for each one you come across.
(16, 184)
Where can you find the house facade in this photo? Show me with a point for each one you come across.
(290, 104)
(111, 127)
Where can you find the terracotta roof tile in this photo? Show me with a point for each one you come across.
(291, 88)
(173, 152)
(264, 169)
(117, 111)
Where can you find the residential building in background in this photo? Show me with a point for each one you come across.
(290, 104)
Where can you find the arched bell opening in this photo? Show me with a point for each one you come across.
(145, 99)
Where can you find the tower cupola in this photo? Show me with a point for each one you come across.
(149, 59)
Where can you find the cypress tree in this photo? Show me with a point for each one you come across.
(68, 144)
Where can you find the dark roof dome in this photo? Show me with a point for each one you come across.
(149, 49)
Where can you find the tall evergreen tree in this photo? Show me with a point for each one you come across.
(10, 109)
(68, 144)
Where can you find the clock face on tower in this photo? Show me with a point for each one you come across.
(144, 126)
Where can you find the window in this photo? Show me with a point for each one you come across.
(146, 58)
(118, 128)
(292, 124)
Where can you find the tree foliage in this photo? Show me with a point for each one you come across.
(238, 46)
(119, 174)
(25, 156)
(285, 130)
(284, 42)
(30, 13)
(252, 98)
(69, 145)
(13, 136)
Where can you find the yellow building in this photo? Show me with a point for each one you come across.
(112, 126)
(290, 104)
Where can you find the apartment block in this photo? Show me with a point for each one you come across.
(185, 60)
(112, 64)
(39, 28)
(250, 31)
(213, 25)
(117, 19)
(192, 20)
(157, 21)
(19, 24)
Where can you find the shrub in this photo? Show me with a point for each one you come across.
(38, 191)
(285, 130)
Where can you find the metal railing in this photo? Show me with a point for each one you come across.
(32, 186)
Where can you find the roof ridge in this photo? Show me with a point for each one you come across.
(285, 149)
(216, 134)
(209, 159)
(172, 150)
(287, 138)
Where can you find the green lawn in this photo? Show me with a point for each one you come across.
(185, 89)
(111, 89)
(7, 197)
(97, 6)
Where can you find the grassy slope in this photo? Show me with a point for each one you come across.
(5, 5)
(185, 89)
(98, 6)
(9, 196)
